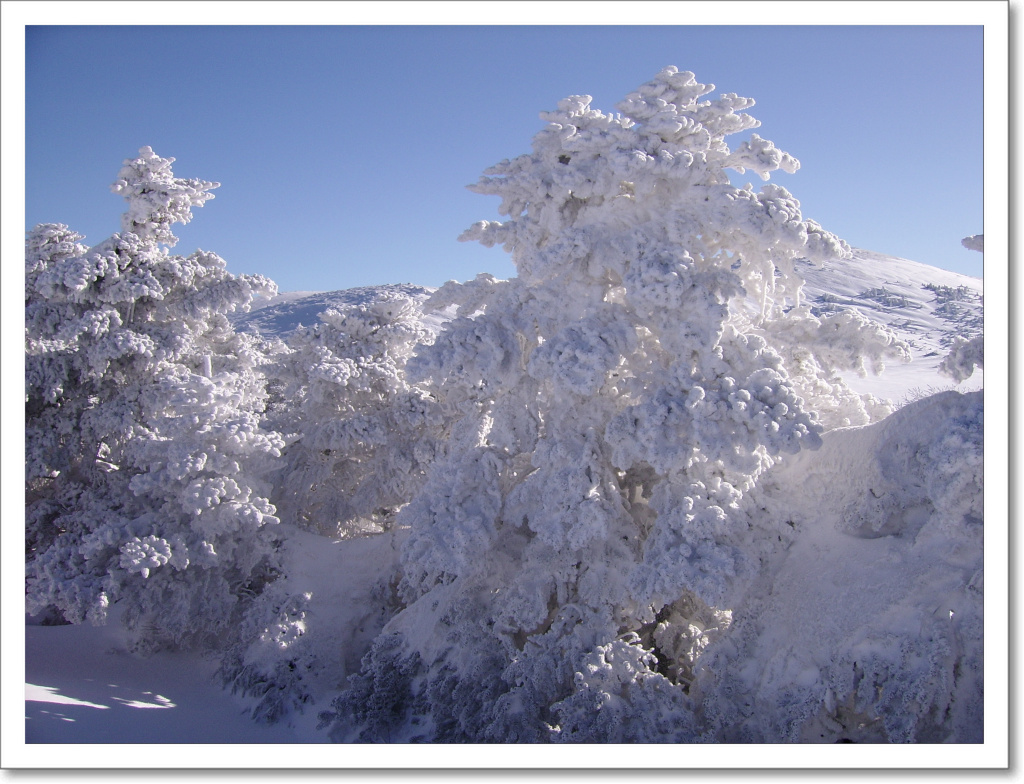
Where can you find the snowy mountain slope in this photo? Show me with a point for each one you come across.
(924, 305)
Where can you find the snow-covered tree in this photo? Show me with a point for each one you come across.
(974, 242)
(360, 435)
(590, 522)
(359, 440)
(144, 448)
(965, 356)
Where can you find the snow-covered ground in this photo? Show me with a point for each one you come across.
(82, 687)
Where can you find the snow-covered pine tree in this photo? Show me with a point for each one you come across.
(144, 449)
(582, 538)
(359, 441)
(360, 436)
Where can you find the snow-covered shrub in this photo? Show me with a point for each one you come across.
(270, 663)
(144, 448)
(966, 355)
(580, 539)
(359, 435)
(308, 631)
(618, 698)
(375, 701)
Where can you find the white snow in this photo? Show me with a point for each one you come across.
(886, 289)
(281, 314)
(82, 686)
(890, 553)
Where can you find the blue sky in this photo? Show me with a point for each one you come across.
(344, 151)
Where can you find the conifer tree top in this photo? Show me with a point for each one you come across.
(156, 198)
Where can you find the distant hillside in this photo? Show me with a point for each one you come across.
(283, 313)
(924, 305)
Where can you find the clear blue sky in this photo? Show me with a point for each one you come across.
(344, 151)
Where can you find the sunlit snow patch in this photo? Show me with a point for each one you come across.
(160, 702)
(35, 693)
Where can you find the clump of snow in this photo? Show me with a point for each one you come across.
(974, 242)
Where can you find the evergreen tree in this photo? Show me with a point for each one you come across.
(613, 406)
(360, 436)
(144, 449)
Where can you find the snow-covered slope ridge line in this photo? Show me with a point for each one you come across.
(923, 305)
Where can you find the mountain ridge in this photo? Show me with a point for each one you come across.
(924, 305)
